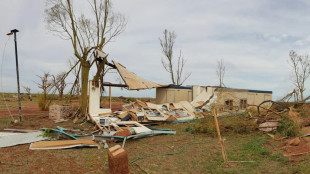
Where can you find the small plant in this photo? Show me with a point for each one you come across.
(48, 133)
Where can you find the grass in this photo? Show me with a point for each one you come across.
(193, 152)
(206, 157)
(197, 153)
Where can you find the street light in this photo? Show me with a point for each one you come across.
(14, 31)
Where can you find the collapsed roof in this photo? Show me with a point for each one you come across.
(133, 81)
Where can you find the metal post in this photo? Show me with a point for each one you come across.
(17, 73)
(110, 98)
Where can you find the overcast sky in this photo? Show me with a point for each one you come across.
(252, 37)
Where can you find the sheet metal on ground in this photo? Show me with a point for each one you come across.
(12, 139)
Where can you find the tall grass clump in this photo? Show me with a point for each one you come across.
(43, 102)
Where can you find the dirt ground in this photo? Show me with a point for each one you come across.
(27, 108)
(180, 153)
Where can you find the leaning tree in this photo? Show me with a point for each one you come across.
(86, 32)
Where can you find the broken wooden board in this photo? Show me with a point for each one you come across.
(139, 130)
(188, 107)
(125, 116)
(133, 81)
(137, 127)
(63, 144)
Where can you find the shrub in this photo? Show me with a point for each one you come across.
(130, 99)
(237, 124)
(43, 102)
(204, 125)
(287, 127)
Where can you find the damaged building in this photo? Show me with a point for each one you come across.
(188, 97)
(227, 98)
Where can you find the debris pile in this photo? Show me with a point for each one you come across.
(146, 112)
(290, 123)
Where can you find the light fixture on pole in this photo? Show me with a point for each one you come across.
(14, 31)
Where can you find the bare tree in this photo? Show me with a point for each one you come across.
(220, 72)
(44, 83)
(28, 91)
(301, 70)
(59, 83)
(167, 44)
(85, 33)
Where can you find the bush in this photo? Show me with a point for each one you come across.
(237, 124)
(287, 127)
(204, 125)
(43, 102)
(130, 99)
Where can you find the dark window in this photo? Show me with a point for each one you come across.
(243, 103)
(229, 104)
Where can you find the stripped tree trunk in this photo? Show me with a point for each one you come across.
(84, 86)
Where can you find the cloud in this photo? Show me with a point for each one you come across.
(253, 39)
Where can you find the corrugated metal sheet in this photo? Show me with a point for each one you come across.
(133, 81)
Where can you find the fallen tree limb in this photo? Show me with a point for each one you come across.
(266, 109)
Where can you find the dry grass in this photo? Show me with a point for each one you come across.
(194, 153)
(181, 153)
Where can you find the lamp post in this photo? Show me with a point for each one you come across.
(14, 31)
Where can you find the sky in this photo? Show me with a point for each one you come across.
(253, 38)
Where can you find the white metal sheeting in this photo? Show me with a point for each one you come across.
(8, 139)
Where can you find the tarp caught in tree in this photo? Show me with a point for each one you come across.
(133, 81)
